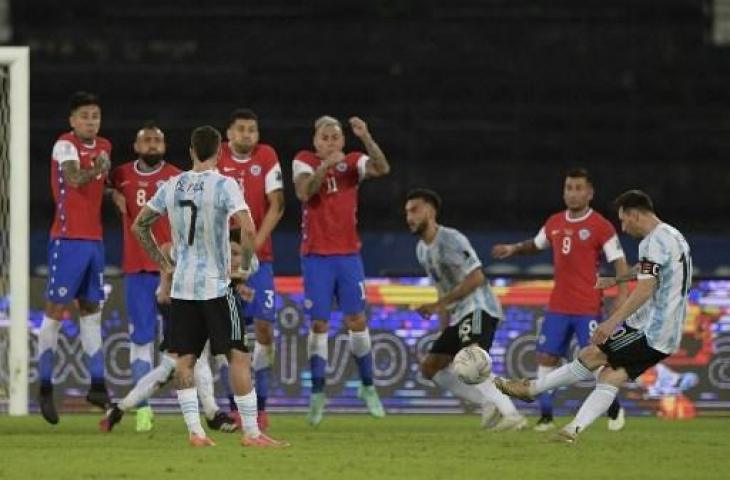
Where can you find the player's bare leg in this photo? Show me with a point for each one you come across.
(245, 396)
(318, 353)
(361, 348)
(187, 396)
(263, 360)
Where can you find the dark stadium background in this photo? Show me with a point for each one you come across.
(486, 101)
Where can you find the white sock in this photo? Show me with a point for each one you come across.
(149, 384)
(360, 343)
(247, 409)
(204, 385)
(543, 371)
(317, 345)
(141, 352)
(500, 400)
(593, 407)
(90, 328)
(261, 356)
(568, 374)
(48, 335)
(220, 361)
(447, 379)
(188, 399)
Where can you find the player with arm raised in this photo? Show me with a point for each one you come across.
(199, 204)
(326, 182)
(578, 236)
(79, 165)
(641, 332)
(255, 166)
(469, 307)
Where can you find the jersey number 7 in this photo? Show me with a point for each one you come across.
(193, 218)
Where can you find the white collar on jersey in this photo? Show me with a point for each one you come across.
(145, 174)
(579, 219)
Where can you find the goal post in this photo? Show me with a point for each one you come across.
(14, 63)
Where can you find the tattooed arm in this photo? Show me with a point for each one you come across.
(76, 176)
(142, 229)
(378, 165)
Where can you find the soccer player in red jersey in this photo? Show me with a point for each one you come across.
(79, 165)
(577, 236)
(133, 184)
(255, 166)
(326, 182)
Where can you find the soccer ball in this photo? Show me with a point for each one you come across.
(472, 365)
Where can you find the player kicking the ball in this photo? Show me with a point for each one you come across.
(468, 309)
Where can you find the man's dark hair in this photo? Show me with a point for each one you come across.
(150, 125)
(242, 114)
(82, 99)
(205, 141)
(579, 172)
(428, 196)
(634, 199)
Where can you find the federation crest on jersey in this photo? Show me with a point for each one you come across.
(341, 167)
(584, 234)
(256, 170)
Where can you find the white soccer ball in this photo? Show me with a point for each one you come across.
(472, 365)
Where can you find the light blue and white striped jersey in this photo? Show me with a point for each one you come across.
(448, 260)
(199, 206)
(664, 255)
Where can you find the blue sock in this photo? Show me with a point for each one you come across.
(95, 364)
(318, 366)
(365, 367)
(546, 403)
(140, 368)
(262, 387)
(45, 366)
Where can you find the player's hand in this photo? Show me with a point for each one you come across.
(333, 159)
(502, 251)
(601, 333)
(102, 163)
(603, 283)
(428, 309)
(359, 127)
(163, 291)
(245, 274)
(245, 292)
(120, 202)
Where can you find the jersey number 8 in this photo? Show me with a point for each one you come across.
(566, 245)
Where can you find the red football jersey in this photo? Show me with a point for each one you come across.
(138, 187)
(258, 175)
(78, 209)
(329, 218)
(577, 244)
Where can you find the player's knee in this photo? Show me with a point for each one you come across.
(357, 322)
(430, 366)
(592, 357)
(54, 310)
(547, 360)
(88, 308)
(320, 326)
(613, 377)
(264, 332)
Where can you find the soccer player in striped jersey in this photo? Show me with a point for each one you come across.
(79, 165)
(133, 184)
(199, 204)
(468, 309)
(643, 331)
(578, 236)
(326, 182)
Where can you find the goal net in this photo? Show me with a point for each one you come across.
(14, 236)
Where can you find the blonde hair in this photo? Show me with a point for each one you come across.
(326, 121)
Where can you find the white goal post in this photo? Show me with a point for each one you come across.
(16, 62)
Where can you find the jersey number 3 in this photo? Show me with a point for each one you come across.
(193, 218)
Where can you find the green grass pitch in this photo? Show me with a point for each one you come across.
(359, 447)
